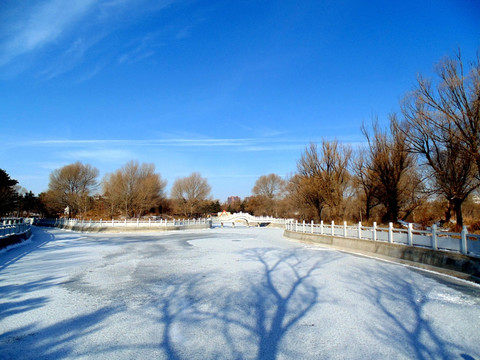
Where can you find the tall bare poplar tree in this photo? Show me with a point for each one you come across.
(365, 182)
(391, 171)
(442, 124)
(323, 177)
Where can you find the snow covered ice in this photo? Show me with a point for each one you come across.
(224, 293)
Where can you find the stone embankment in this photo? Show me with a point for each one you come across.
(450, 263)
(123, 229)
(14, 239)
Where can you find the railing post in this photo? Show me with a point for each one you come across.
(321, 227)
(390, 232)
(359, 229)
(303, 226)
(138, 222)
(113, 222)
(409, 234)
(374, 231)
(434, 237)
(463, 244)
(345, 229)
(333, 228)
(311, 227)
(125, 221)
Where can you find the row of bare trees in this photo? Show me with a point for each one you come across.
(430, 154)
(442, 125)
(131, 191)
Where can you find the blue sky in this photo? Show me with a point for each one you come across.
(231, 89)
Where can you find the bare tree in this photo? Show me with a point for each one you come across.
(397, 183)
(323, 177)
(268, 190)
(365, 182)
(189, 193)
(50, 204)
(112, 185)
(305, 203)
(442, 124)
(133, 189)
(72, 185)
(270, 186)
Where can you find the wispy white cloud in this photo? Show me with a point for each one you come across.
(104, 155)
(67, 60)
(43, 25)
(141, 143)
(49, 165)
(232, 144)
(141, 48)
(74, 30)
(183, 33)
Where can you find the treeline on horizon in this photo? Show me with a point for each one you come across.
(423, 168)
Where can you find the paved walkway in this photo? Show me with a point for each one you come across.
(223, 294)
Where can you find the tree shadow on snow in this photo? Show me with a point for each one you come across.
(39, 238)
(401, 319)
(55, 341)
(249, 322)
(248, 318)
(11, 294)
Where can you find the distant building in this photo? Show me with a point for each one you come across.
(233, 199)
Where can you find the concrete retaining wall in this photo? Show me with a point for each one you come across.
(122, 229)
(14, 239)
(458, 265)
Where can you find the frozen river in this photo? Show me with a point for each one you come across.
(241, 293)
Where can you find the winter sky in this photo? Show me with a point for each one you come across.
(231, 89)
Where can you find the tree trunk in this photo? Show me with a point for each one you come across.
(368, 207)
(448, 212)
(457, 207)
(319, 209)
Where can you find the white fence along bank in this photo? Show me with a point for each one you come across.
(13, 229)
(121, 223)
(463, 242)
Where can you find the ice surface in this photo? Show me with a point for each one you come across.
(224, 293)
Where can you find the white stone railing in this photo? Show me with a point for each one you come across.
(121, 223)
(463, 242)
(13, 229)
(249, 218)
